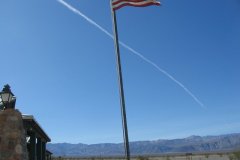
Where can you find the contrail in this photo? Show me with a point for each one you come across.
(133, 51)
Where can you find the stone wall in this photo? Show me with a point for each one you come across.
(12, 136)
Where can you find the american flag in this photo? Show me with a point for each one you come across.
(116, 4)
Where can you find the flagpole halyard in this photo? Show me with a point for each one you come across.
(120, 81)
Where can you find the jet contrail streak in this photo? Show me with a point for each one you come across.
(164, 72)
(133, 51)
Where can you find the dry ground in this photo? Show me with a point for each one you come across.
(215, 156)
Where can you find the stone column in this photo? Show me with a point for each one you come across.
(39, 149)
(12, 136)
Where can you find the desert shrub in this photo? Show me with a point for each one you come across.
(231, 157)
(168, 158)
(206, 155)
(142, 158)
(236, 155)
(220, 154)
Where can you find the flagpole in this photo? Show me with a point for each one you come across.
(120, 81)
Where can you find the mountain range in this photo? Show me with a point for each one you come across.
(184, 145)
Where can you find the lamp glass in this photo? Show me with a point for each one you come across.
(6, 97)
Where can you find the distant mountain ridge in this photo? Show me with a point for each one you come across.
(189, 144)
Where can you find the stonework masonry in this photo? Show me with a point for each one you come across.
(12, 136)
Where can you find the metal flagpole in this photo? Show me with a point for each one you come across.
(120, 81)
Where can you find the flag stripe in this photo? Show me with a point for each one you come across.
(119, 1)
(136, 3)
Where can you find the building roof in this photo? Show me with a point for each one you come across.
(48, 152)
(31, 124)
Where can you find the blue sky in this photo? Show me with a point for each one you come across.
(63, 70)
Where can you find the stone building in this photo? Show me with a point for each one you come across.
(21, 137)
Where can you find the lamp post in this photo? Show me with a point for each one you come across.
(7, 98)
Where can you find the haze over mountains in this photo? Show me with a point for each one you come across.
(189, 144)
